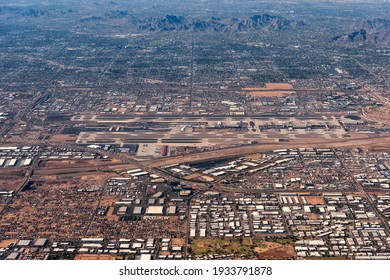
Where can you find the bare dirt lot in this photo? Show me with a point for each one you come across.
(380, 115)
(278, 252)
(270, 90)
(314, 200)
(251, 248)
(274, 86)
(274, 93)
(94, 257)
(193, 176)
(110, 214)
(77, 167)
(178, 241)
(64, 138)
(11, 183)
(273, 250)
(6, 242)
(78, 162)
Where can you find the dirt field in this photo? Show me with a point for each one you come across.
(5, 243)
(275, 86)
(99, 179)
(273, 250)
(276, 93)
(94, 257)
(251, 248)
(271, 90)
(110, 216)
(51, 182)
(58, 167)
(380, 115)
(107, 201)
(220, 246)
(315, 200)
(312, 216)
(53, 163)
(174, 218)
(267, 246)
(178, 241)
(11, 183)
(281, 252)
(63, 138)
(272, 86)
(192, 176)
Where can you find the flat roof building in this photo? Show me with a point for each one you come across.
(154, 210)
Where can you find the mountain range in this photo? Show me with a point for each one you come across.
(263, 22)
(375, 32)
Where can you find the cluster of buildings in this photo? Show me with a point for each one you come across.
(138, 197)
(212, 171)
(215, 216)
(140, 248)
(147, 208)
(23, 156)
(382, 203)
(370, 170)
(295, 169)
(18, 156)
(335, 225)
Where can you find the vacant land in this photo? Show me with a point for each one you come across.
(270, 90)
(247, 248)
(315, 200)
(94, 257)
(11, 183)
(274, 93)
(63, 138)
(273, 250)
(5, 243)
